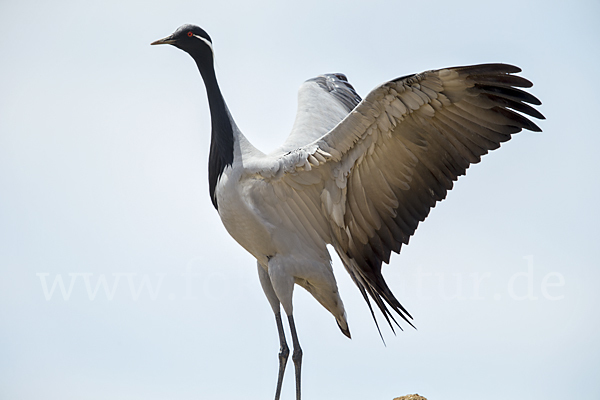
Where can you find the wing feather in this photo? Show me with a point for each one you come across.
(403, 147)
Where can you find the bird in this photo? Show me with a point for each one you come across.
(357, 174)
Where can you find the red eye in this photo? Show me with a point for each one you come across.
(190, 34)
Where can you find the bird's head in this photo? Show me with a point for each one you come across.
(192, 39)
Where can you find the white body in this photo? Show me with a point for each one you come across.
(271, 228)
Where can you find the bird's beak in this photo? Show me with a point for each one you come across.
(167, 40)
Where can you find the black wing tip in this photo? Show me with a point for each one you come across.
(338, 86)
(519, 120)
(534, 128)
(346, 331)
(381, 294)
(495, 81)
(401, 78)
(486, 69)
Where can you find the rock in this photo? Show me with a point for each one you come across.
(411, 397)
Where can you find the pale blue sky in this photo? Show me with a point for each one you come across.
(103, 173)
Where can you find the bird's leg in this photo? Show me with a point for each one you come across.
(284, 352)
(296, 355)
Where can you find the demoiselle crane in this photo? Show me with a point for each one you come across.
(357, 174)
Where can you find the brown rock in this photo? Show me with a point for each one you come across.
(411, 397)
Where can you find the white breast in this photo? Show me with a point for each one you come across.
(241, 217)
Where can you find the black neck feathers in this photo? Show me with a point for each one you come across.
(221, 141)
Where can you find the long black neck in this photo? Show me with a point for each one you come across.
(221, 140)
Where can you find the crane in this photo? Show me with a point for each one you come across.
(357, 174)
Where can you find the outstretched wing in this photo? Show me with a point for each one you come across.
(384, 166)
(323, 102)
(400, 151)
